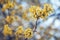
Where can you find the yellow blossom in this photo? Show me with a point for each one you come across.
(7, 30)
(32, 9)
(5, 7)
(35, 16)
(19, 30)
(8, 19)
(11, 5)
(28, 33)
(24, 16)
(43, 14)
(12, 18)
(20, 7)
(48, 8)
(36, 11)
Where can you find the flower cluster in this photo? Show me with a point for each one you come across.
(10, 19)
(39, 12)
(8, 5)
(7, 30)
(28, 33)
(19, 30)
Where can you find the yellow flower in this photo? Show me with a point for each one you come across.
(20, 7)
(48, 8)
(5, 7)
(36, 11)
(32, 9)
(43, 14)
(8, 19)
(39, 12)
(35, 16)
(9, 31)
(24, 16)
(28, 33)
(19, 30)
(10, 4)
(5, 32)
(12, 18)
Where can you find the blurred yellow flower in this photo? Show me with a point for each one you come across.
(5, 7)
(24, 16)
(43, 14)
(19, 30)
(35, 16)
(32, 9)
(8, 19)
(11, 5)
(28, 33)
(7, 30)
(20, 7)
(38, 12)
(12, 18)
(48, 8)
(8, 5)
